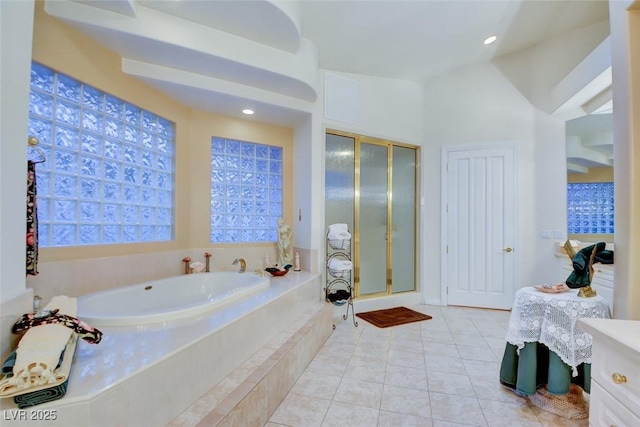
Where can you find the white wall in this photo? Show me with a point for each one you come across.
(478, 105)
(382, 108)
(625, 38)
(16, 27)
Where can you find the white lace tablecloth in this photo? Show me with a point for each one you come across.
(552, 319)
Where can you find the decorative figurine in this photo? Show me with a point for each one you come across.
(284, 242)
(296, 265)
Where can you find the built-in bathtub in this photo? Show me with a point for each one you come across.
(147, 374)
(167, 299)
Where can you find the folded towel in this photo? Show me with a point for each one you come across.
(37, 394)
(340, 265)
(84, 330)
(39, 397)
(7, 365)
(338, 232)
(38, 352)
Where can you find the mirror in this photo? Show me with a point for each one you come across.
(589, 147)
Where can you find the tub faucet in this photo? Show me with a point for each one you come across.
(186, 261)
(243, 264)
(207, 260)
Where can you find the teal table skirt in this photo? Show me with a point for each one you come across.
(536, 366)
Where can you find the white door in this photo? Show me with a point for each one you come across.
(478, 195)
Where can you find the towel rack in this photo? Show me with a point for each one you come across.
(338, 289)
(32, 142)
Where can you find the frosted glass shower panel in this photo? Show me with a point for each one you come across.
(373, 218)
(339, 180)
(403, 214)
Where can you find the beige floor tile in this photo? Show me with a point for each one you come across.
(403, 376)
(476, 353)
(448, 383)
(431, 337)
(503, 414)
(357, 392)
(407, 359)
(478, 368)
(474, 340)
(317, 384)
(375, 349)
(493, 390)
(441, 423)
(329, 365)
(331, 348)
(301, 411)
(406, 401)
(456, 409)
(342, 414)
(412, 345)
(438, 349)
(366, 370)
(394, 419)
(444, 364)
(438, 373)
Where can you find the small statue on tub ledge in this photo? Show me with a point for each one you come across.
(285, 233)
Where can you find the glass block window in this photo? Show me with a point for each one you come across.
(246, 191)
(590, 208)
(109, 173)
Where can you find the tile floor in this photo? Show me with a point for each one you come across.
(436, 373)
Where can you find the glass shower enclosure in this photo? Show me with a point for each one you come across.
(371, 185)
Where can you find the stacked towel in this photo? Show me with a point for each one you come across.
(338, 232)
(46, 393)
(38, 353)
(339, 265)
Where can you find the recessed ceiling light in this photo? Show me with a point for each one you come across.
(490, 39)
(247, 111)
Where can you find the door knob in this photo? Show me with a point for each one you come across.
(507, 250)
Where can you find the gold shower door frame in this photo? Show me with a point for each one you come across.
(358, 140)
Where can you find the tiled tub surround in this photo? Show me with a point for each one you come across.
(147, 375)
(84, 276)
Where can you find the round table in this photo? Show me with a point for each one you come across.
(545, 346)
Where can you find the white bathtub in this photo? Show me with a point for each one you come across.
(167, 299)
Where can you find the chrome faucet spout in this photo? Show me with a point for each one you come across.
(243, 264)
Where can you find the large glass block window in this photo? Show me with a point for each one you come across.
(590, 208)
(109, 173)
(246, 191)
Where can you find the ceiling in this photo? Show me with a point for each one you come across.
(414, 40)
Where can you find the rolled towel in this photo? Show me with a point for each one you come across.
(65, 305)
(340, 265)
(339, 232)
(196, 267)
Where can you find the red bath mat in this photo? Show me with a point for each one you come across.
(392, 317)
